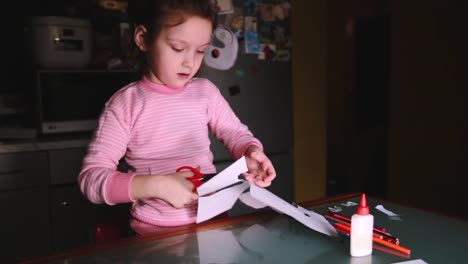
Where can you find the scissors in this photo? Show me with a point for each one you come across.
(198, 178)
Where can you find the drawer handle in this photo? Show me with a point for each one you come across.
(13, 172)
(64, 203)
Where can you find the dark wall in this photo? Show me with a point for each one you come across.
(428, 143)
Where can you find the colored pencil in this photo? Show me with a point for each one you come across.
(380, 241)
(399, 248)
(345, 218)
(385, 237)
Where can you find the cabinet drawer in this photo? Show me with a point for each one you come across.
(65, 165)
(25, 169)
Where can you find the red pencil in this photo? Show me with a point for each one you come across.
(343, 217)
(391, 245)
(380, 241)
(376, 234)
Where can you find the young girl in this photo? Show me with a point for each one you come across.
(161, 122)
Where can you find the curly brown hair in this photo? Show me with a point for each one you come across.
(155, 15)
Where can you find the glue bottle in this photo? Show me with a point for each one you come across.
(362, 224)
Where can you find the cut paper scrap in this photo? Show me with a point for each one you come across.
(349, 203)
(391, 214)
(335, 209)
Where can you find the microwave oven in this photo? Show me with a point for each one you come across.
(71, 100)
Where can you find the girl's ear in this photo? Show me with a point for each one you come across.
(139, 36)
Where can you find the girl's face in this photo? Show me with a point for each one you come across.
(177, 53)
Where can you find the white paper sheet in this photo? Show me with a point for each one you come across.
(214, 200)
(309, 218)
(248, 200)
(219, 202)
(227, 177)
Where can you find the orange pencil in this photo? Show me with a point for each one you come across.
(344, 227)
(391, 245)
(379, 240)
(375, 234)
(346, 232)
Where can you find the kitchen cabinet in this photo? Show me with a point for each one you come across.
(73, 217)
(23, 170)
(43, 210)
(70, 213)
(24, 205)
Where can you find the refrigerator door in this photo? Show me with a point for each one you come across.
(260, 93)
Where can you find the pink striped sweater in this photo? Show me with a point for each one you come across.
(158, 129)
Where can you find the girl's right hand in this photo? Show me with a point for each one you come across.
(172, 188)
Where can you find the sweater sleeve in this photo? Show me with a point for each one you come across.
(99, 179)
(227, 127)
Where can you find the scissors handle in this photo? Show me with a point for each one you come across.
(197, 177)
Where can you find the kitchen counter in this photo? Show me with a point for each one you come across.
(44, 143)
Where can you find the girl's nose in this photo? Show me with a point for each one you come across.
(189, 61)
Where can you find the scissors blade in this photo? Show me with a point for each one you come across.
(207, 177)
(225, 178)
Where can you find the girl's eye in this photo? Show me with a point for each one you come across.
(201, 51)
(177, 50)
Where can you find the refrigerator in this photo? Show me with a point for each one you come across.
(260, 93)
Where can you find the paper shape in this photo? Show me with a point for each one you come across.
(225, 178)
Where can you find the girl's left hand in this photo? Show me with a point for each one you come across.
(261, 171)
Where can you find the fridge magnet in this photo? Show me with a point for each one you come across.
(224, 7)
(267, 52)
(235, 22)
(252, 44)
(240, 73)
(275, 12)
(253, 70)
(273, 24)
(222, 52)
(283, 55)
(251, 7)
